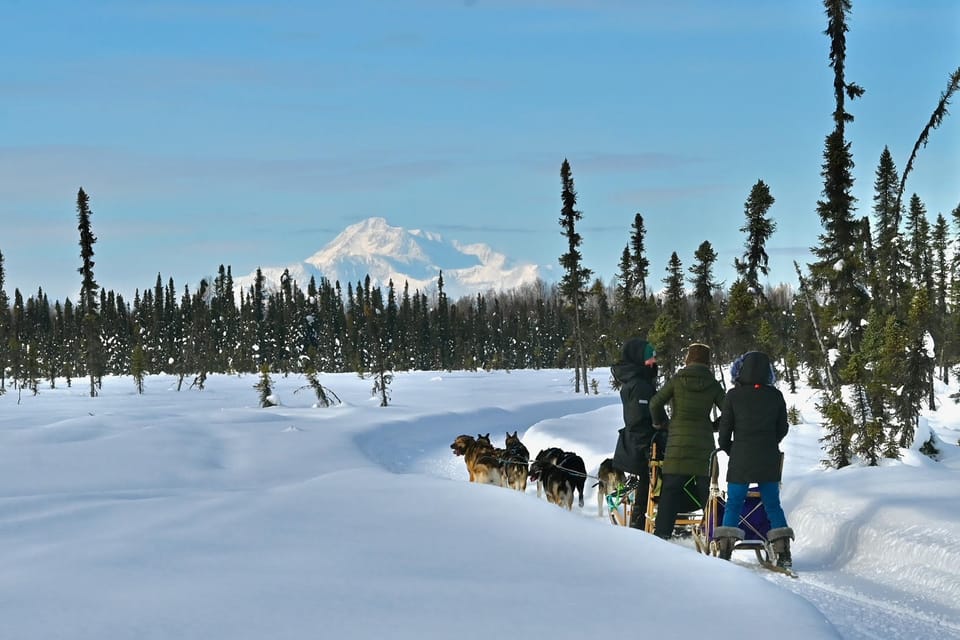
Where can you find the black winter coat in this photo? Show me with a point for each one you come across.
(753, 423)
(636, 388)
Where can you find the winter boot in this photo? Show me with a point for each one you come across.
(780, 541)
(638, 512)
(726, 539)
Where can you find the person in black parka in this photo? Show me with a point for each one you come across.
(637, 374)
(753, 422)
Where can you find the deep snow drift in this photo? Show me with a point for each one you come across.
(201, 515)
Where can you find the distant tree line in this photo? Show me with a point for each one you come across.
(874, 323)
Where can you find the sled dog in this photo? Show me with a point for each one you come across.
(483, 463)
(516, 458)
(561, 474)
(608, 479)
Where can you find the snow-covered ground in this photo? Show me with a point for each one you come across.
(201, 515)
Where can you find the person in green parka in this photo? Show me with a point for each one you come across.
(692, 393)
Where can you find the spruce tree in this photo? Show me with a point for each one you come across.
(636, 309)
(919, 267)
(837, 440)
(741, 319)
(392, 334)
(325, 396)
(639, 264)
(575, 275)
(838, 268)
(888, 280)
(838, 274)
(918, 366)
(669, 332)
(953, 322)
(377, 356)
(758, 227)
(443, 346)
(939, 246)
(626, 285)
(264, 387)
(4, 329)
(138, 367)
(704, 322)
(88, 292)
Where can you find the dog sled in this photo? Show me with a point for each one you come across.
(620, 501)
(623, 501)
(753, 521)
(689, 521)
(701, 523)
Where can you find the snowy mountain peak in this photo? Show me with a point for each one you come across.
(413, 257)
(370, 237)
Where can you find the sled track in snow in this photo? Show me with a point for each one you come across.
(422, 445)
(860, 617)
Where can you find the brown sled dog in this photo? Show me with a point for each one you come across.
(608, 479)
(482, 460)
(516, 459)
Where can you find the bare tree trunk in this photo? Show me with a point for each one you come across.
(581, 361)
(816, 327)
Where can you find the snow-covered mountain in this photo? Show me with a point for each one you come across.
(416, 257)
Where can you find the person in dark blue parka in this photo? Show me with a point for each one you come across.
(753, 422)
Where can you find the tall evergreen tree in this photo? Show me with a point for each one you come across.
(741, 319)
(835, 271)
(704, 321)
(939, 247)
(635, 310)
(838, 272)
(953, 324)
(669, 332)
(625, 278)
(441, 322)
(919, 260)
(88, 292)
(575, 275)
(918, 366)
(378, 354)
(4, 329)
(758, 227)
(639, 264)
(888, 281)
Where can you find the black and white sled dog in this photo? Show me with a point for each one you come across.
(546, 457)
(560, 474)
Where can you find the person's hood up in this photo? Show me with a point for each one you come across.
(637, 351)
(633, 357)
(755, 369)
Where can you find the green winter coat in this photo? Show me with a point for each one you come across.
(692, 393)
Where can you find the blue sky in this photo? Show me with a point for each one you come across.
(251, 133)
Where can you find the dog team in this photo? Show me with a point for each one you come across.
(560, 475)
